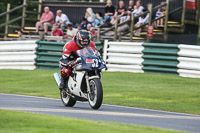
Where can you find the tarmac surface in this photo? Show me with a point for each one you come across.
(112, 113)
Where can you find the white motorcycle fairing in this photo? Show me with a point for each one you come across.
(74, 84)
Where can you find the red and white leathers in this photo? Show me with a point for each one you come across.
(67, 50)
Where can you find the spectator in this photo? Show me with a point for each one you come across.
(62, 20)
(138, 9)
(109, 12)
(93, 33)
(163, 8)
(90, 16)
(158, 15)
(89, 26)
(98, 19)
(84, 24)
(130, 9)
(142, 20)
(161, 13)
(131, 6)
(79, 27)
(56, 31)
(46, 21)
(119, 13)
(71, 32)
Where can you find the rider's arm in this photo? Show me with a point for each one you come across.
(92, 44)
(64, 60)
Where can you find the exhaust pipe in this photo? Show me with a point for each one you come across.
(57, 78)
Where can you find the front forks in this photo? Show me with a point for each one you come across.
(87, 82)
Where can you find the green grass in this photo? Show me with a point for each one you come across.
(162, 92)
(21, 122)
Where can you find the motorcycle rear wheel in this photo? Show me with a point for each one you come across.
(95, 98)
(67, 100)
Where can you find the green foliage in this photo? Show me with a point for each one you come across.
(162, 92)
(21, 122)
(17, 13)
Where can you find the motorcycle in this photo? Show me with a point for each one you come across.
(84, 84)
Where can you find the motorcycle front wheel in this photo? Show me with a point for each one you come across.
(95, 97)
(66, 99)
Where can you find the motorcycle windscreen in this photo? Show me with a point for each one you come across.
(92, 63)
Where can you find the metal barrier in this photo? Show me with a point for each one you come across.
(17, 55)
(49, 53)
(178, 59)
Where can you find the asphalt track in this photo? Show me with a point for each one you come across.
(119, 114)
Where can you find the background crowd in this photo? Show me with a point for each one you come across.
(61, 25)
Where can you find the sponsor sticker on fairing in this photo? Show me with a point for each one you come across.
(89, 60)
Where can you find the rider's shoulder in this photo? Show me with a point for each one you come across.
(92, 43)
(69, 43)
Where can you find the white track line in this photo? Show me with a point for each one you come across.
(159, 111)
(98, 112)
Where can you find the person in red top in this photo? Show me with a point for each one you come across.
(46, 21)
(81, 40)
(57, 32)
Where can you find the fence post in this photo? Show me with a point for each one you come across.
(166, 19)
(23, 14)
(115, 31)
(150, 19)
(98, 34)
(183, 15)
(198, 11)
(39, 9)
(7, 20)
(132, 26)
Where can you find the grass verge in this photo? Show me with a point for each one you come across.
(22, 122)
(162, 92)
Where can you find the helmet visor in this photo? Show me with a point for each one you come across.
(84, 43)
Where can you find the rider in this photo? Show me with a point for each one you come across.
(81, 40)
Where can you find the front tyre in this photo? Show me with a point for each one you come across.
(66, 99)
(95, 97)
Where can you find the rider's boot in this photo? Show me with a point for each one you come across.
(63, 83)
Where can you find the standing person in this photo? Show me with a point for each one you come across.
(62, 20)
(57, 32)
(109, 12)
(71, 32)
(46, 21)
(119, 13)
(90, 16)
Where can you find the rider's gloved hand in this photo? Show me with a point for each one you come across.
(78, 60)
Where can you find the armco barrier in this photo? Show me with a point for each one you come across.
(160, 58)
(183, 60)
(17, 55)
(124, 57)
(49, 53)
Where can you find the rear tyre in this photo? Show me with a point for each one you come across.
(95, 97)
(67, 100)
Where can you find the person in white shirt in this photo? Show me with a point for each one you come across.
(90, 16)
(138, 9)
(62, 20)
(71, 32)
(142, 20)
